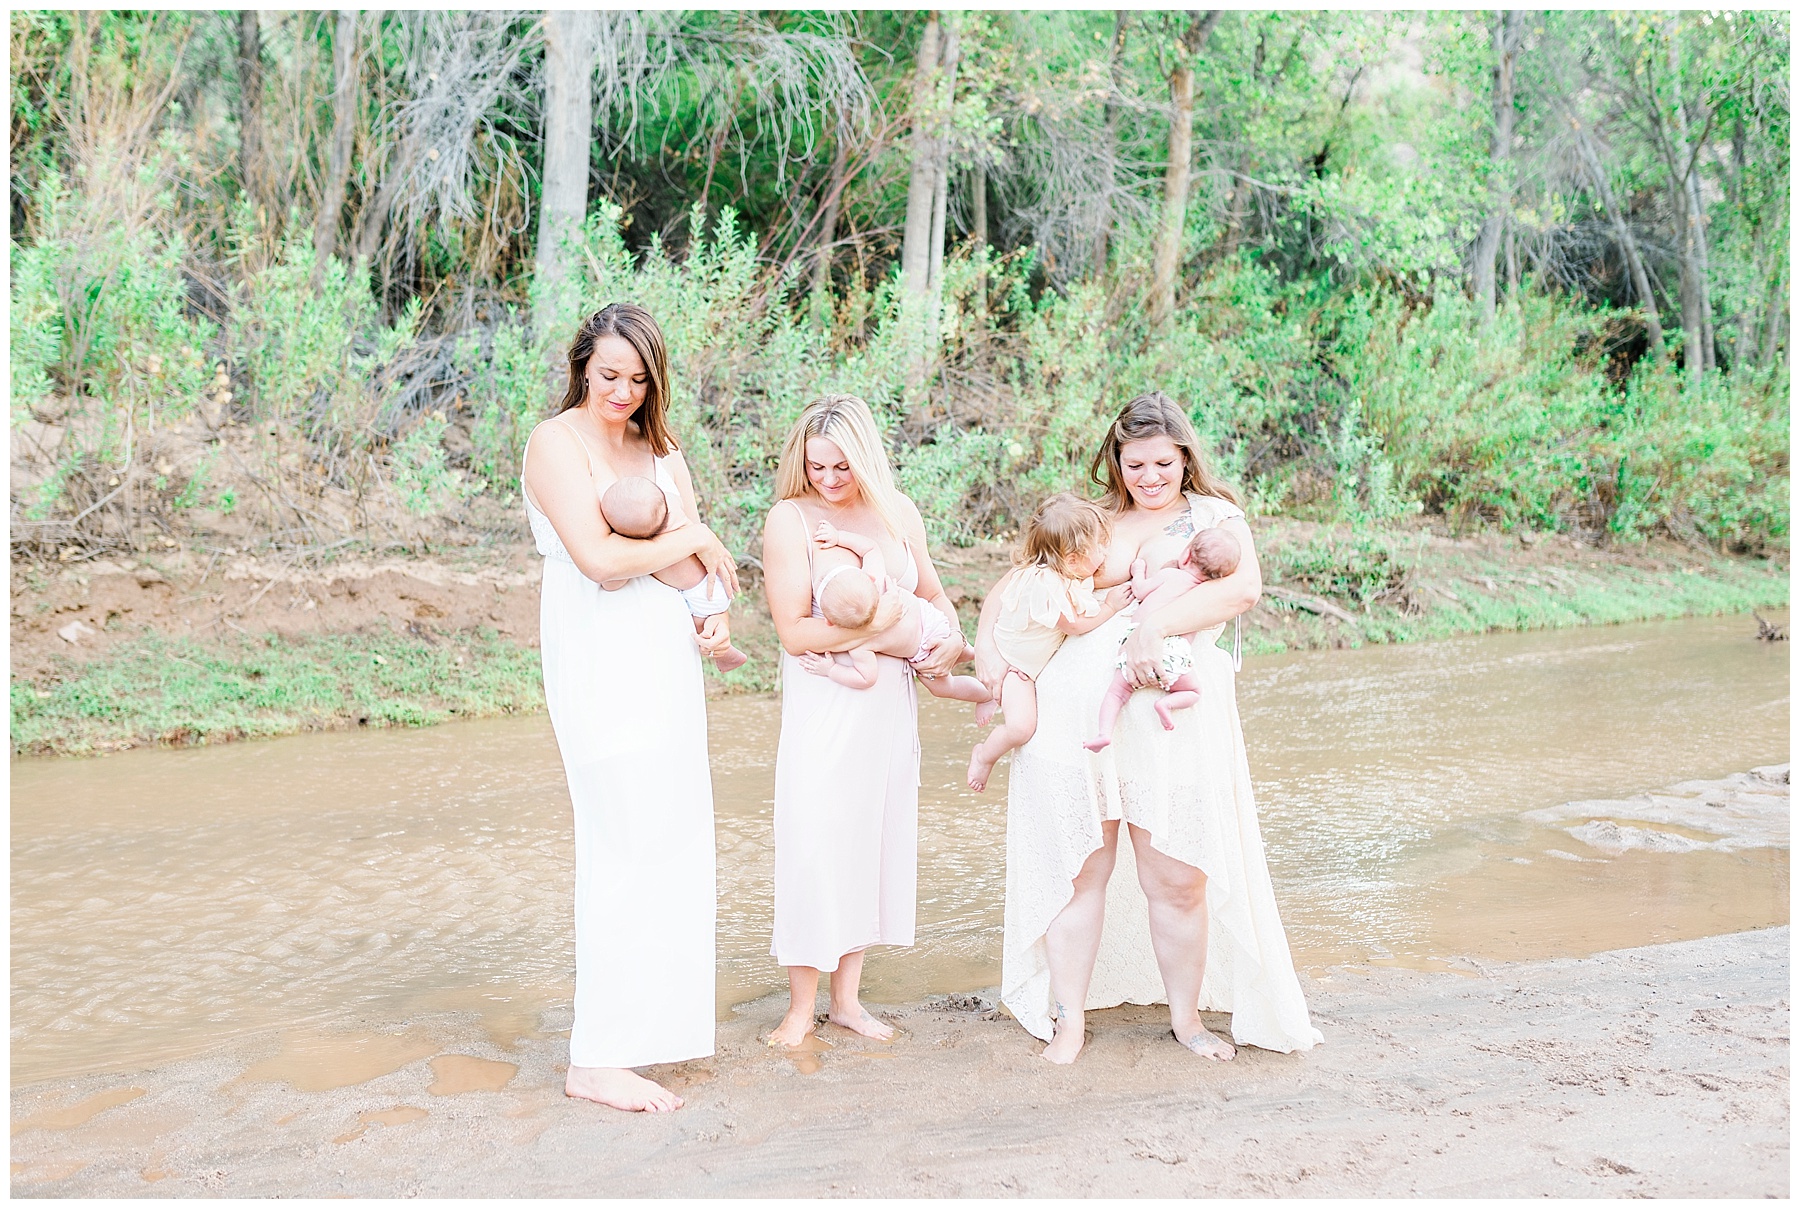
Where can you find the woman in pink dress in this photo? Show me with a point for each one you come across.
(847, 768)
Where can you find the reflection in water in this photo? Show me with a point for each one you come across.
(165, 899)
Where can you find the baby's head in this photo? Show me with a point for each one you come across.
(1068, 535)
(635, 507)
(1214, 553)
(848, 597)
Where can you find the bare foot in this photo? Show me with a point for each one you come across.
(792, 1030)
(857, 1019)
(979, 770)
(730, 659)
(620, 1089)
(1207, 1044)
(1098, 743)
(1066, 1044)
(984, 712)
(1166, 714)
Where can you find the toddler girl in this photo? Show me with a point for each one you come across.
(1048, 596)
(1209, 554)
(638, 507)
(849, 591)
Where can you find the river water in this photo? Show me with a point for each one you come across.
(163, 901)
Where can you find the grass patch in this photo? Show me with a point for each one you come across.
(179, 692)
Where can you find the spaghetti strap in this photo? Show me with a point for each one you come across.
(804, 535)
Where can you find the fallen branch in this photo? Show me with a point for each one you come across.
(1312, 604)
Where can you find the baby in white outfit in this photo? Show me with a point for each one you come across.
(849, 592)
(637, 507)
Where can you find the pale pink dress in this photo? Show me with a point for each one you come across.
(846, 809)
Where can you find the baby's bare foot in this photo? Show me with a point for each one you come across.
(984, 713)
(857, 1019)
(1207, 1044)
(730, 659)
(619, 1089)
(1098, 743)
(979, 770)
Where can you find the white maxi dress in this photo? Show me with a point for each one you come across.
(846, 809)
(1190, 789)
(622, 681)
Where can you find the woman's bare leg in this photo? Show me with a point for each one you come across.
(846, 1009)
(1072, 942)
(618, 1088)
(803, 996)
(1177, 896)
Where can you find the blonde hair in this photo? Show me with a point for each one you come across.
(1215, 553)
(1154, 415)
(1063, 525)
(846, 422)
(849, 599)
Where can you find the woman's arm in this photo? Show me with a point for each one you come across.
(724, 568)
(1203, 605)
(787, 584)
(562, 486)
(990, 668)
(948, 653)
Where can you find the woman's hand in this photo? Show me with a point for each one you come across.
(714, 634)
(719, 562)
(1143, 654)
(942, 656)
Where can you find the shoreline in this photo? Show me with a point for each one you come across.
(255, 648)
(1587, 1076)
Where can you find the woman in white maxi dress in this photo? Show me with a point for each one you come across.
(1188, 916)
(622, 682)
(847, 768)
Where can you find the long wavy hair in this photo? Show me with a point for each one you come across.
(846, 422)
(634, 325)
(1154, 415)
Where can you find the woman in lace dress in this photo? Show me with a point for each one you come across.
(622, 680)
(847, 767)
(1182, 911)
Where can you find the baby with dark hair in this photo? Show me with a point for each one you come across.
(639, 508)
(1209, 554)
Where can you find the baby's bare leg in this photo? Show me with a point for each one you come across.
(1117, 694)
(1018, 699)
(684, 574)
(1183, 693)
(957, 688)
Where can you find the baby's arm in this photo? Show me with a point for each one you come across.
(1165, 587)
(1115, 599)
(867, 552)
(852, 669)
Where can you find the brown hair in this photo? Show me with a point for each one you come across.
(1215, 553)
(1154, 415)
(632, 324)
(1063, 525)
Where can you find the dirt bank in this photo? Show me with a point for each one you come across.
(1659, 1071)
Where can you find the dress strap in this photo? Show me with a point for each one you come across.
(1237, 643)
(805, 536)
(585, 451)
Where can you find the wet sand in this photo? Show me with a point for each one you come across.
(1658, 1071)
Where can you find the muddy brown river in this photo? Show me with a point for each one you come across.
(163, 901)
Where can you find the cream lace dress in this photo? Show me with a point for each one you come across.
(1190, 788)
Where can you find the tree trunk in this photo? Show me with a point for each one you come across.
(345, 71)
(1508, 30)
(1628, 246)
(569, 41)
(1103, 226)
(1177, 175)
(249, 106)
(915, 255)
(828, 222)
(949, 53)
(1690, 213)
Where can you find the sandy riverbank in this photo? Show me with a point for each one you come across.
(1660, 1071)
